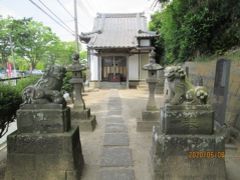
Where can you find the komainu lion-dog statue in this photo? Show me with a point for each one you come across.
(179, 89)
(47, 89)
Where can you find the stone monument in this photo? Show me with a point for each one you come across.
(81, 116)
(185, 145)
(45, 146)
(151, 115)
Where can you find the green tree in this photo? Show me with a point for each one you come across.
(189, 28)
(61, 52)
(5, 48)
(34, 45)
(32, 40)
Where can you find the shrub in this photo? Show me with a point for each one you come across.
(10, 100)
(67, 86)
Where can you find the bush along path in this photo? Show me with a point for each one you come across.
(116, 160)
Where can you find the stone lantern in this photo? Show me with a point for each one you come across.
(77, 82)
(152, 67)
(80, 114)
(151, 116)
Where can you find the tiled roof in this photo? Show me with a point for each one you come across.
(145, 34)
(117, 31)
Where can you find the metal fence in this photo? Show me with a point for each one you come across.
(11, 81)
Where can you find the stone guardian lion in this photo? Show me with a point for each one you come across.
(47, 89)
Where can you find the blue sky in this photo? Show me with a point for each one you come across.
(87, 9)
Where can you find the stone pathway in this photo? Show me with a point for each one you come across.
(116, 161)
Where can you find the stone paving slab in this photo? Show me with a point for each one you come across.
(117, 174)
(116, 139)
(115, 128)
(114, 120)
(117, 101)
(114, 106)
(114, 113)
(114, 116)
(116, 157)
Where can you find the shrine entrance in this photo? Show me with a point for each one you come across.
(114, 68)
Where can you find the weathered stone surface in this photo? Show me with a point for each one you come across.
(114, 113)
(83, 119)
(113, 120)
(238, 123)
(115, 103)
(44, 156)
(43, 118)
(116, 157)
(150, 115)
(87, 124)
(179, 89)
(187, 119)
(117, 174)
(146, 125)
(115, 108)
(114, 116)
(116, 139)
(174, 156)
(148, 120)
(82, 115)
(110, 128)
(47, 88)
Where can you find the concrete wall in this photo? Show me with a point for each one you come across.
(207, 71)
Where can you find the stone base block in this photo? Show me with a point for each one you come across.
(150, 115)
(85, 124)
(146, 125)
(55, 156)
(188, 157)
(149, 119)
(80, 114)
(83, 119)
(187, 119)
(43, 118)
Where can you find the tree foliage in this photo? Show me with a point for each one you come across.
(10, 100)
(4, 40)
(32, 40)
(189, 28)
(34, 45)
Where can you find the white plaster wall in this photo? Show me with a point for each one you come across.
(145, 42)
(93, 67)
(144, 59)
(133, 68)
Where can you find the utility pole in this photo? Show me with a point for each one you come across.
(76, 26)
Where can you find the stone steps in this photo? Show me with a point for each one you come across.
(113, 85)
(142, 86)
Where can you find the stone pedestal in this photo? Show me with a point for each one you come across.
(43, 118)
(187, 119)
(44, 147)
(83, 119)
(148, 120)
(185, 146)
(151, 116)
